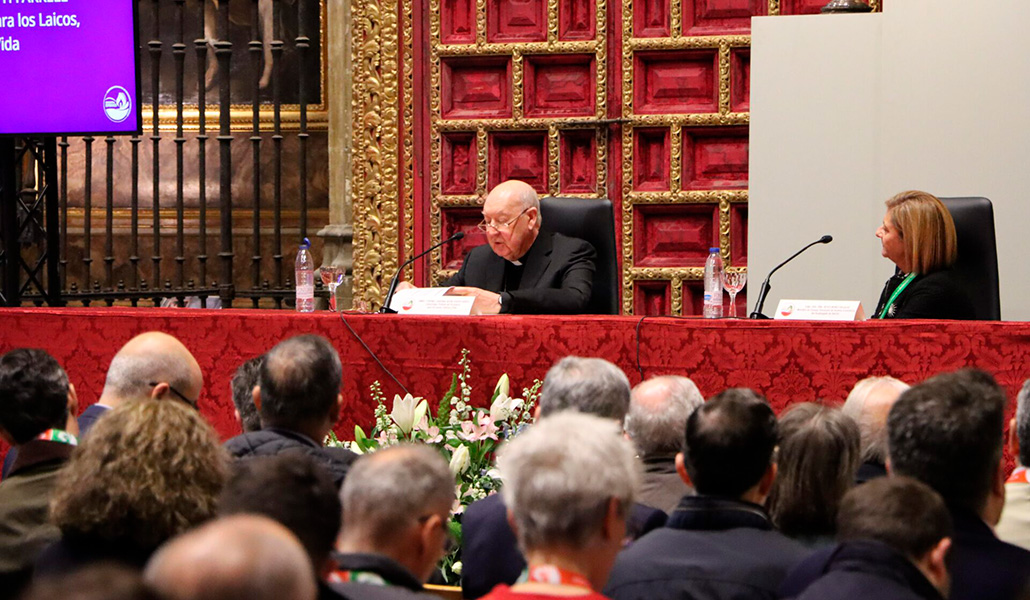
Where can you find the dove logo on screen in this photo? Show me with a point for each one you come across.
(117, 104)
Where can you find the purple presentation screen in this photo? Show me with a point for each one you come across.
(68, 66)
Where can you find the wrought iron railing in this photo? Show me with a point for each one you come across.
(269, 76)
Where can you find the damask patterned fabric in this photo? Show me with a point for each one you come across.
(787, 361)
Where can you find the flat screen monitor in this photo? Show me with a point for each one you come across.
(69, 67)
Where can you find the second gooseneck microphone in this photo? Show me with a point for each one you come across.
(764, 291)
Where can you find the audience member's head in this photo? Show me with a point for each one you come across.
(730, 440)
(243, 383)
(588, 385)
(868, 404)
(243, 557)
(148, 470)
(1019, 428)
(152, 365)
(299, 386)
(397, 503)
(816, 464)
(99, 582)
(293, 489)
(34, 395)
(905, 515)
(569, 483)
(947, 433)
(658, 411)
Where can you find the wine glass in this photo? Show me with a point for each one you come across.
(332, 277)
(733, 280)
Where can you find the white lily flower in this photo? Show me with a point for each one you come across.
(407, 411)
(460, 460)
(503, 407)
(502, 387)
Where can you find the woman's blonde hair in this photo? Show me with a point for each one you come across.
(926, 228)
(148, 470)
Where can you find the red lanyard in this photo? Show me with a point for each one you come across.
(557, 576)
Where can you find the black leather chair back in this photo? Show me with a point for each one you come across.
(977, 266)
(589, 219)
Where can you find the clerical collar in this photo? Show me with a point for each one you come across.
(517, 263)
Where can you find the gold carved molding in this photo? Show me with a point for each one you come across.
(376, 123)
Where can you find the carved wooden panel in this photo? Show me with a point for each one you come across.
(499, 89)
(685, 71)
(517, 90)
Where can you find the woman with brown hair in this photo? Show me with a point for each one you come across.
(148, 470)
(918, 236)
(819, 453)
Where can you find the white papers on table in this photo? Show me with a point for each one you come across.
(430, 301)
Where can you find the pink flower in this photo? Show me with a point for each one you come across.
(473, 432)
(432, 433)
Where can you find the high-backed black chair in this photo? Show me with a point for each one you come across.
(589, 219)
(977, 266)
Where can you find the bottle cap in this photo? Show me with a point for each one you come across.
(710, 250)
(306, 244)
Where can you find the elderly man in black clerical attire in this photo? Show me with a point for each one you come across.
(521, 270)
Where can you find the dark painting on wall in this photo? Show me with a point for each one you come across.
(242, 29)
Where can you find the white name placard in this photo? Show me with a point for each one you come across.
(431, 301)
(819, 310)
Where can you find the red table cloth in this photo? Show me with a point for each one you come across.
(787, 361)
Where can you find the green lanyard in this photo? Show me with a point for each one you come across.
(58, 435)
(366, 577)
(894, 296)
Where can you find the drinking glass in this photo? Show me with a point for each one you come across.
(332, 277)
(733, 280)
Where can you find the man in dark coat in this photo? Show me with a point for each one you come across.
(297, 492)
(719, 543)
(37, 407)
(298, 398)
(895, 536)
(948, 433)
(658, 412)
(521, 270)
(396, 508)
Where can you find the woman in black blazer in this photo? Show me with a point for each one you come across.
(918, 235)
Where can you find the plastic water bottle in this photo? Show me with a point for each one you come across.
(713, 285)
(304, 270)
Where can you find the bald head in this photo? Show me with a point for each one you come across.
(150, 358)
(514, 192)
(658, 411)
(869, 403)
(514, 211)
(244, 557)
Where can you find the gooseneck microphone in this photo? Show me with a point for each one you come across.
(764, 291)
(396, 276)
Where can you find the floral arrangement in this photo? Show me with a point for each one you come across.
(465, 435)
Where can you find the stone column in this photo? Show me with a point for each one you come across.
(338, 236)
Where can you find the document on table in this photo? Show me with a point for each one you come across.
(431, 301)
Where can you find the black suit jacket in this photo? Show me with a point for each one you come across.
(712, 549)
(982, 567)
(936, 295)
(557, 279)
